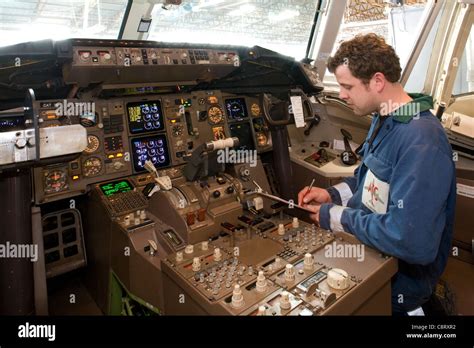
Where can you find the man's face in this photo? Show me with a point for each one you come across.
(361, 98)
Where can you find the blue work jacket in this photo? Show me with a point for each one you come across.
(412, 155)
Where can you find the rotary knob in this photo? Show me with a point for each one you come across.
(216, 194)
(338, 279)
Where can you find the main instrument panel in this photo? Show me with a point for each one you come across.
(123, 133)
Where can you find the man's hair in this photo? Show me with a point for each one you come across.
(366, 55)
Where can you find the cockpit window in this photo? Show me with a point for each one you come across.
(399, 24)
(281, 26)
(31, 20)
(465, 78)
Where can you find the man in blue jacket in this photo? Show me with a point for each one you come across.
(401, 198)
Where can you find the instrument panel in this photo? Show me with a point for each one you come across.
(125, 132)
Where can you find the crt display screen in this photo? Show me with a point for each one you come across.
(145, 117)
(153, 148)
(236, 109)
(114, 187)
(243, 132)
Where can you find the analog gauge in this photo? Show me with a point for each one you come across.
(255, 109)
(93, 144)
(177, 130)
(261, 139)
(215, 114)
(212, 99)
(55, 181)
(92, 166)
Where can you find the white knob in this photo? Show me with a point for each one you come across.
(196, 264)
(143, 215)
(179, 256)
(126, 220)
(281, 229)
(277, 262)
(237, 297)
(107, 56)
(250, 271)
(137, 221)
(189, 249)
(338, 279)
(261, 282)
(261, 311)
(295, 223)
(308, 262)
(217, 254)
(290, 273)
(205, 245)
(285, 300)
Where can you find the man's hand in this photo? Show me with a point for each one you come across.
(315, 209)
(316, 196)
(313, 200)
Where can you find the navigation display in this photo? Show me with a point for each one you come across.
(236, 109)
(145, 117)
(153, 148)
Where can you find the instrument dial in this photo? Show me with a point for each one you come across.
(255, 109)
(92, 166)
(55, 181)
(177, 130)
(93, 144)
(215, 115)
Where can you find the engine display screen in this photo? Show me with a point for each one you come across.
(236, 109)
(153, 148)
(114, 187)
(243, 132)
(145, 117)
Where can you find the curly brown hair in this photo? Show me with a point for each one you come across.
(366, 55)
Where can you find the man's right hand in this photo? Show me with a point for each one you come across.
(316, 196)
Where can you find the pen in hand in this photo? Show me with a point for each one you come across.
(309, 189)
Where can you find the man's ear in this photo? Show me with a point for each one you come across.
(378, 82)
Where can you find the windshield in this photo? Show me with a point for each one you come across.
(281, 26)
(31, 20)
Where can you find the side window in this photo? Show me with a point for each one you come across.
(399, 25)
(465, 77)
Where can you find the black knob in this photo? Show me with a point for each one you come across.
(216, 194)
(229, 190)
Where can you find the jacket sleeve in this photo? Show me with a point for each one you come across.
(342, 192)
(411, 229)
